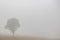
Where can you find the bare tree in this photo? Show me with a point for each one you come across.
(12, 25)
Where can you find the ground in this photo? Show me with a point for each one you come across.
(23, 38)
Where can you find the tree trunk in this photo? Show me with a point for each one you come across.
(13, 34)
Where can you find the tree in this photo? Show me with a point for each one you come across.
(12, 25)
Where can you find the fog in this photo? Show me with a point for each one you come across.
(38, 18)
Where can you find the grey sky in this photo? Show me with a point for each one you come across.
(38, 18)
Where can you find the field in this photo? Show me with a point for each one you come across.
(23, 38)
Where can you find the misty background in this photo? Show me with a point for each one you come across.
(38, 18)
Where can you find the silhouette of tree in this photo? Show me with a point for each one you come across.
(12, 25)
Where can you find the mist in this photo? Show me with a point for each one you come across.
(38, 18)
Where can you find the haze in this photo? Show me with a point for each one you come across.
(38, 18)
